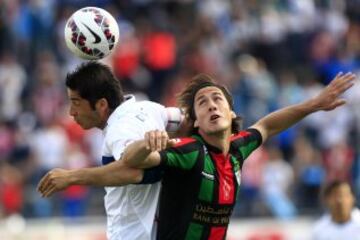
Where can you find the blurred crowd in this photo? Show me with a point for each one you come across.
(268, 53)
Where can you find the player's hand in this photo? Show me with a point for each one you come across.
(54, 181)
(329, 98)
(158, 140)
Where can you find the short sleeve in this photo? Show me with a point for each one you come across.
(183, 155)
(152, 175)
(245, 142)
(132, 124)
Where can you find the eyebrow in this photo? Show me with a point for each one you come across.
(199, 98)
(212, 94)
(74, 99)
(217, 93)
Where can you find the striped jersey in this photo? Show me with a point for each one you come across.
(200, 185)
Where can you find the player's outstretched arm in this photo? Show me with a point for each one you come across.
(113, 174)
(328, 99)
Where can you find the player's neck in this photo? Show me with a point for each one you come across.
(103, 120)
(341, 218)
(219, 140)
(102, 125)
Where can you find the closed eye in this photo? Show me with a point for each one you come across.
(75, 102)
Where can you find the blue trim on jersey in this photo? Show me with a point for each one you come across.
(106, 160)
(152, 175)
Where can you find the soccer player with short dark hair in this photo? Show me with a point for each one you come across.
(97, 101)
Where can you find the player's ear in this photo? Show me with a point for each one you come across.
(233, 114)
(101, 104)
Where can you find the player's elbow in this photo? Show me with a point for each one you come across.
(132, 175)
(129, 176)
(137, 175)
(120, 174)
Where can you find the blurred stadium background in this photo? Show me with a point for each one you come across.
(269, 53)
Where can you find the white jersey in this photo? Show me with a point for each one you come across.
(326, 229)
(131, 209)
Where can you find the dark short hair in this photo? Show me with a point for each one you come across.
(331, 186)
(93, 81)
(187, 97)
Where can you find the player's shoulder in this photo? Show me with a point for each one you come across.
(147, 109)
(132, 104)
(241, 134)
(122, 124)
(355, 215)
(249, 132)
(184, 141)
(148, 105)
(135, 109)
(323, 223)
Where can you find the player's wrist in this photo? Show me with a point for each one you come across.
(75, 177)
(312, 105)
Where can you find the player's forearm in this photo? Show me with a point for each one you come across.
(114, 174)
(139, 156)
(282, 119)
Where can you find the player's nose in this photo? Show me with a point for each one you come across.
(72, 112)
(212, 106)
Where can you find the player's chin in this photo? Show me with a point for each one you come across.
(216, 130)
(221, 125)
(84, 126)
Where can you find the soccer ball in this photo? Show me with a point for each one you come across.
(91, 33)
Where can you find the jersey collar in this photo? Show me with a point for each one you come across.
(208, 146)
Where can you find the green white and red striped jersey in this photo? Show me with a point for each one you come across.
(200, 186)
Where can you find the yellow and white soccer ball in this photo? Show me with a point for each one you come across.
(91, 33)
